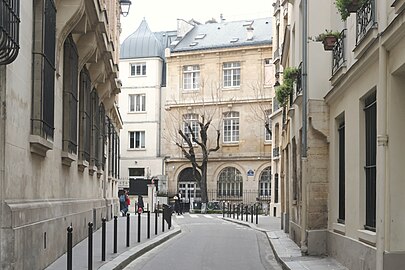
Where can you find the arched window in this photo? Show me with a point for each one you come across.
(265, 182)
(230, 182)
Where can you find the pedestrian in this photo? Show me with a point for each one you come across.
(180, 204)
(140, 204)
(127, 201)
(176, 205)
(123, 203)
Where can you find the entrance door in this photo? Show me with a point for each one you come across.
(188, 188)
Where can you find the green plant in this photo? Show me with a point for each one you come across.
(327, 33)
(345, 6)
(290, 75)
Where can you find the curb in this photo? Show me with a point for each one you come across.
(122, 260)
(253, 226)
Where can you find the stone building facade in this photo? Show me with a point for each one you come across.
(59, 128)
(221, 71)
(343, 192)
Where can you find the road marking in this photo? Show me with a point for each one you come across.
(208, 216)
(193, 216)
(179, 216)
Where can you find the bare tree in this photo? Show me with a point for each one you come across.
(262, 106)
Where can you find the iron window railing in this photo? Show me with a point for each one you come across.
(70, 73)
(341, 131)
(338, 53)
(42, 122)
(95, 128)
(9, 30)
(85, 119)
(365, 20)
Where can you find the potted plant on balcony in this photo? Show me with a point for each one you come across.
(328, 39)
(290, 75)
(345, 7)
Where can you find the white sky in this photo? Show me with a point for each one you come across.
(162, 15)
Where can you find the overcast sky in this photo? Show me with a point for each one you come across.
(162, 15)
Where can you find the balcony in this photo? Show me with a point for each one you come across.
(365, 20)
(276, 55)
(338, 53)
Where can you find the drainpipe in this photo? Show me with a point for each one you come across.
(382, 141)
(304, 248)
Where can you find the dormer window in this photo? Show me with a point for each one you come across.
(138, 69)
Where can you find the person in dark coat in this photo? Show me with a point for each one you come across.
(140, 204)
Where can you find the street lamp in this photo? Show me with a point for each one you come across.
(125, 5)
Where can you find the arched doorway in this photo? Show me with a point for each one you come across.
(188, 188)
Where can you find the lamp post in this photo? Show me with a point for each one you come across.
(125, 5)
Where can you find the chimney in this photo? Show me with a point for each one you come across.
(250, 32)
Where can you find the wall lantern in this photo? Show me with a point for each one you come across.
(125, 5)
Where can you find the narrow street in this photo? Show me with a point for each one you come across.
(208, 242)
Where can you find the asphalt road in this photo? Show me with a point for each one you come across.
(208, 243)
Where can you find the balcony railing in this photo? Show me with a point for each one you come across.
(277, 54)
(9, 30)
(365, 20)
(338, 53)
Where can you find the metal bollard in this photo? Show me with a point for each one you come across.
(128, 229)
(69, 247)
(247, 214)
(257, 214)
(233, 211)
(115, 233)
(103, 235)
(156, 222)
(223, 209)
(163, 221)
(251, 213)
(237, 211)
(139, 227)
(90, 247)
(241, 212)
(148, 234)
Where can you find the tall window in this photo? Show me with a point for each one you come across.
(135, 173)
(191, 121)
(85, 115)
(268, 72)
(231, 74)
(230, 182)
(276, 188)
(231, 127)
(341, 131)
(138, 69)
(137, 103)
(43, 68)
(191, 77)
(95, 128)
(70, 78)
(267, 126)
(137, 140)
(265, 182)
(102, 138)
(370, 110)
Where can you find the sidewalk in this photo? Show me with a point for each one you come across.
(286, 250)
(124, 255)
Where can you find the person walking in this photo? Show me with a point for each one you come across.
(140, 204)
(124, 199)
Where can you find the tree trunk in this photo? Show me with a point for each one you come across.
(203, 186)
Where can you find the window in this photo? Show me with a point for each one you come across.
(137, 140)
(191, 121)
(70, 80)
(265, 182)
(95, 128)
(269, 71)
(85, 115)
(43, 69)
(191, 77)
(138, 69)
(102, 138)
(267, 126)
(9, 31)
(231, 127)
(276, 188)
(230, 182)
(341, 153)
(370, 110)
(137, 103)
(113, 146)
(231, 74)
(135, 173)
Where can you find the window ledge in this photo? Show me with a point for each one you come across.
(231, 88)
(68, 158)
(339, 228)
(133, 149)
(230, 144)
(367, 237)
(137, 112)
(82, 164)
(40, 145)
(365, 43)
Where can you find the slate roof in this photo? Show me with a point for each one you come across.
(225, 34)
(143, 43)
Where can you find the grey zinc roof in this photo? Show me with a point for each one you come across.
(143, 43)
(226, 34)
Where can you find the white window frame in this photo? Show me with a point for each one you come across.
(132, 135)
(191, 119)
(137, 103)
(139, 69)
(231, 127)
(231, 74)
(191, 77)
